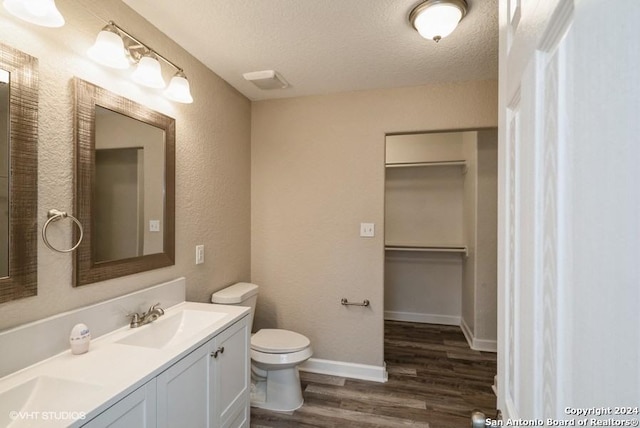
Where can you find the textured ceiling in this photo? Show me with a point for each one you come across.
(326, 46)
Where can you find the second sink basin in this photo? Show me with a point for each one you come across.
(42, 399)
(172, 328)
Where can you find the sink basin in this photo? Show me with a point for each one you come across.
(172, 329)
(43, 397)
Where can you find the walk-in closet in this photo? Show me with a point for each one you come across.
(441, 231)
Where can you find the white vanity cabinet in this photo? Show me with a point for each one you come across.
(137, 409)
(209, 387)
(183, 397)
(230, 376)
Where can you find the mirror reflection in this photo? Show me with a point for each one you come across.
(18, 174)
(125, 186)
(129, 187)
(4, 173)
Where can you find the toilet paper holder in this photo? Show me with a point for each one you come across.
(345, 302)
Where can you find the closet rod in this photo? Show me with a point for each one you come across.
(414, 164)
(427, 249)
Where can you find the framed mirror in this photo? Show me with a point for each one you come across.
(18, 174)
(125, 186)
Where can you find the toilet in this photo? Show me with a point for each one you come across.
(275, 355)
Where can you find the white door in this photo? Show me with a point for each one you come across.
(569, 207)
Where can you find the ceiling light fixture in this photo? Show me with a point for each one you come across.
(39, 12)
(117, 48)
(266, 79)
(436, 19)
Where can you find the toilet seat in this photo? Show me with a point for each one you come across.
(278, 341)
(280, 361)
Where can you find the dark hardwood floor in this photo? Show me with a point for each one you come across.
(435, 380)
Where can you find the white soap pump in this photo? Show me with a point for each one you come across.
(79, 339)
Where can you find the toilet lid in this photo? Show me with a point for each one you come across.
(276, 341)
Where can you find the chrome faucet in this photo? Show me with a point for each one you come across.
(150, 316)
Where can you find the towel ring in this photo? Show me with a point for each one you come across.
(55, 215)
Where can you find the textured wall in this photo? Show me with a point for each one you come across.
(212, 159)
(317, 172)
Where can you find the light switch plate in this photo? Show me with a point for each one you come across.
(199, 254)
(154, 225)
(367, 230)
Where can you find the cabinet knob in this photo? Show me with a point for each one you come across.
(215, 353)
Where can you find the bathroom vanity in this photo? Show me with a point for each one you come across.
(188, 368)
(205, 388)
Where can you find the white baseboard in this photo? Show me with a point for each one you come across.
(343, 369)
(467, 332)
(478, 344)
(422, 318)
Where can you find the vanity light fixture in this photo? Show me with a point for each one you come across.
(436, 19)
(117, 48)
(39, 12)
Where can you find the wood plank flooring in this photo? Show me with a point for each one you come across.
(435, 381)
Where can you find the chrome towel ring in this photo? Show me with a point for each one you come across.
(55, 215)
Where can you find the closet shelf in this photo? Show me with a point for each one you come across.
(461, 163)
(428, 249)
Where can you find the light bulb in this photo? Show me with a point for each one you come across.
(109, 49)
(39, 12)
(148, 72)
(178, 89)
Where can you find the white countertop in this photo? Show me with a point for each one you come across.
(94, 381)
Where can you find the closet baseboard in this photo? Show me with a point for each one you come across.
(421, 318)
(478, 344)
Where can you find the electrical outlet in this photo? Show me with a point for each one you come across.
(154, 225)
(199, 254)
(367, 230)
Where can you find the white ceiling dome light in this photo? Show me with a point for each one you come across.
(436, 19)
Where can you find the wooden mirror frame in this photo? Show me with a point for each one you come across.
(86, 269)
(23, 172)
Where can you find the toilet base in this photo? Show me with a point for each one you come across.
(277, 390)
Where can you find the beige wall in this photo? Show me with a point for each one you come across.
(469, 226)
(317, 172)
(486, 298)
(430, 147)
(212, 159)
(479, 287)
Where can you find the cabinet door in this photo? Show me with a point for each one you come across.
(230, 377)
(137, 409)
(183, 392)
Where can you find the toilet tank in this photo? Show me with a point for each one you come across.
(240, 294)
